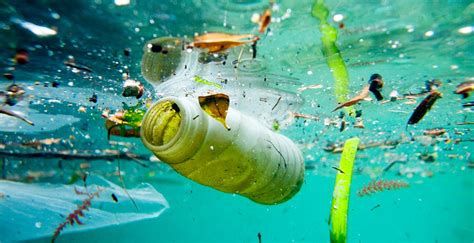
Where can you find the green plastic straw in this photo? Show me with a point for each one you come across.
(332, 54)
(340, 196)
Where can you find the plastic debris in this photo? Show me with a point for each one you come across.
(38, 30)
(27, 204)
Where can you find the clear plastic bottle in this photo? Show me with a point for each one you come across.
(249, 159)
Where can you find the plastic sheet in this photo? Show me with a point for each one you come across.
(31, 211)
(249, 82)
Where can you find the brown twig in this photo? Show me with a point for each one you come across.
(68, 155)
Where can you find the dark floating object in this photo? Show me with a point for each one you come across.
(114, 198)
(259, 237)
(55, 84)
(14, 151)
(433, 84)
(254, 50)
(468, 104)
(343, 126)
(376, 84)
(93, 98)
(389, 166)
(428, 157)
(21, 57)
(156, 48)
(424, 107)
(9, 76)
(376, 206)
(127, 51)
(278, 101)
(464, 89)
(334, 167)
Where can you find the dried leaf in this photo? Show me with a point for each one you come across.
(216, 105)
(434, 132)
(376, 83)
(265, 20)
(362, 95)
(465, 88)
(216, 42)
(424, 107)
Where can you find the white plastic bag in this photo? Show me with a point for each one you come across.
(30, 211)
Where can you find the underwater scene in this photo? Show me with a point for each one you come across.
(236, 121)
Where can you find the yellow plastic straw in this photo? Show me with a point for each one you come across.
(340, 196)
(332, 54)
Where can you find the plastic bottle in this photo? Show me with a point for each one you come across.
(249, 159)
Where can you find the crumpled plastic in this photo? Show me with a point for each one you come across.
(31, 211)
(249, 82)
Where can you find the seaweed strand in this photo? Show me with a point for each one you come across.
(79, 212)
(332, 54)
(380, 186)
(340, 196)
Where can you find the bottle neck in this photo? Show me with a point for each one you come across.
(173, 129)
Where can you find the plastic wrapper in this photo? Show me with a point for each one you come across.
(31, 211)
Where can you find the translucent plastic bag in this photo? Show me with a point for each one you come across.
(30, 211)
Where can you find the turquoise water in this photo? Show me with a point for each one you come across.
(406, 42)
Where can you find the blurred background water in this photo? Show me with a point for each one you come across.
(406, 42)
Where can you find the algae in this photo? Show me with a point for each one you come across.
(332, 54)
(342, 187)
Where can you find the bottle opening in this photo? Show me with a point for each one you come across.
(162, 123)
